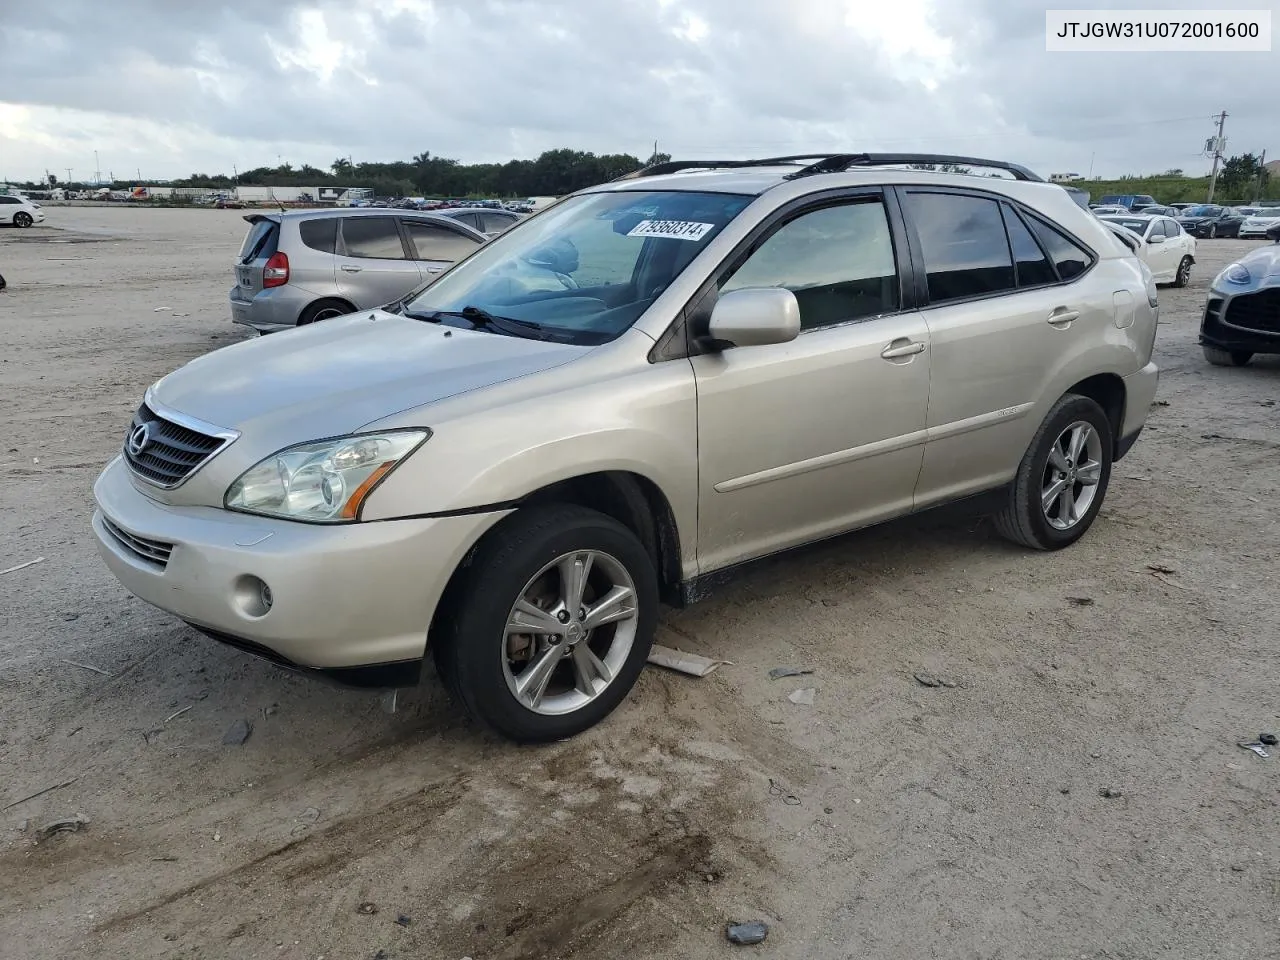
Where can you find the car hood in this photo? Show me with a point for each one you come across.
(1194, 219)
(332, 378)
(1263, 265)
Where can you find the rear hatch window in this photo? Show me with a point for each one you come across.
(261, 239)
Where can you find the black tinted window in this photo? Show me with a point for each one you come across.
(434, 242)
(1033, 266)
(9, 200)
(260, 240)
(320, 234)
(966, 253)
(372, 237)
(1070, 259)
(838, 261)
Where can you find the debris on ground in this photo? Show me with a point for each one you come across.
(1256, 747)
(1159, 403)
(41, 793)
(404, 921)
(777, 673)
(22, 566)
(1110, 793)
(389, 700)
(930, 680)
(693, 664)
(803, 697)
(86, 666)
(368, 908)
(307, 817)
(1081, 601)
(271, 711)
(174, 716)
(777, 790)
(67, 825)
(237, 733)
(1161, 568)
(1270, 739)
(746, 934)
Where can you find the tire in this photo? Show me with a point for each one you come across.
(1024, 520)
(1213, 232)
(324, 310)
(1226, 358)
(22, 219)
(1183, 276)
(475, 656)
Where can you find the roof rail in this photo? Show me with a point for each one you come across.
(840, 162)
(676, 166)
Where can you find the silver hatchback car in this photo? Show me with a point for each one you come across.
(621, 399)
(301, 266)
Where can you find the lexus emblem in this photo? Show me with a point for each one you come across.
(138, 440)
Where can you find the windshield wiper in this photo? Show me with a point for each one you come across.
(482, 318)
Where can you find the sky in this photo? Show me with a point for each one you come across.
(165, 89)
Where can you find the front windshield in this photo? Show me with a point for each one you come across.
(1137, 226)
(584, 270)
(1203, 210)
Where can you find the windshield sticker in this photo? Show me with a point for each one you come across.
(676, 229)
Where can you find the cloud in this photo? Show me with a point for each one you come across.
(172, 88)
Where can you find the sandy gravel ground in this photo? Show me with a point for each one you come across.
(887, 820)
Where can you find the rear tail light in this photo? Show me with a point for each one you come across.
(276, 272)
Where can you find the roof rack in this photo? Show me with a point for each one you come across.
(833, 163)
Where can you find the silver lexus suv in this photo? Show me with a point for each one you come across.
(649, 383)
(301, 266)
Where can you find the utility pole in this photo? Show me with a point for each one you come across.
(97, 169)
(1091, 159)
(68, 169)
(1217, 155)
(1262, 172)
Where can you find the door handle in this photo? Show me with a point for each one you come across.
(351, 269)
(1063, 317)
(434, 269)
(902, 348)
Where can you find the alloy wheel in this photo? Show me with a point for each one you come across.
(1071, 475)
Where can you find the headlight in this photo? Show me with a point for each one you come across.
(322, 482)
(1236, 273)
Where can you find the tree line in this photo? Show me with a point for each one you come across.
(552, 173)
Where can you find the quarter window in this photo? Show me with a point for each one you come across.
(1069, 259)
(320, 234)
(966, 252)
(837, 260)
(1033, 266)
(434, 242)
(373, 238)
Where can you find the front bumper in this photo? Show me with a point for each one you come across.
(1230, 323)
(352, 601)
(1251, 232)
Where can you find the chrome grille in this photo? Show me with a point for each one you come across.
(152, 551)
(171, 452)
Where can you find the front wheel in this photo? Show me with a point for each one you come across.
(1213, 232)
(554, 624)
(1183, 276)
(1226, 358)
(1062, 480)
(22, 219)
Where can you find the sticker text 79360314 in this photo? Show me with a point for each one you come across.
(675, 229)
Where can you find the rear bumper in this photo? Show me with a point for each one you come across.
(269, 310)
(1140, 392)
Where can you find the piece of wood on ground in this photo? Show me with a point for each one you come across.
(693, 664)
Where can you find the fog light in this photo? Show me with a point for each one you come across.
(252, 596)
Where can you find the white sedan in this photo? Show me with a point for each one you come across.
(1162, 244)
(1259, 223)
(19, 211)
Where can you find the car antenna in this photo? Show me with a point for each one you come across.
(277, 199)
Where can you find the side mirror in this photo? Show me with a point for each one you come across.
(1155, 239)
(755, 317)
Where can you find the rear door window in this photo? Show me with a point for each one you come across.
(966, 251)
(320, 234)
(372, 238)
(431, 241)
(1033, 267)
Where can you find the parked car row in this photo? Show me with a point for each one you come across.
(1161, 243)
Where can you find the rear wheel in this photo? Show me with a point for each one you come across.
(1226, 358)
(325, 310)
(1184, 273)
(553, 626)
(22, 219)
(1063, 478)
